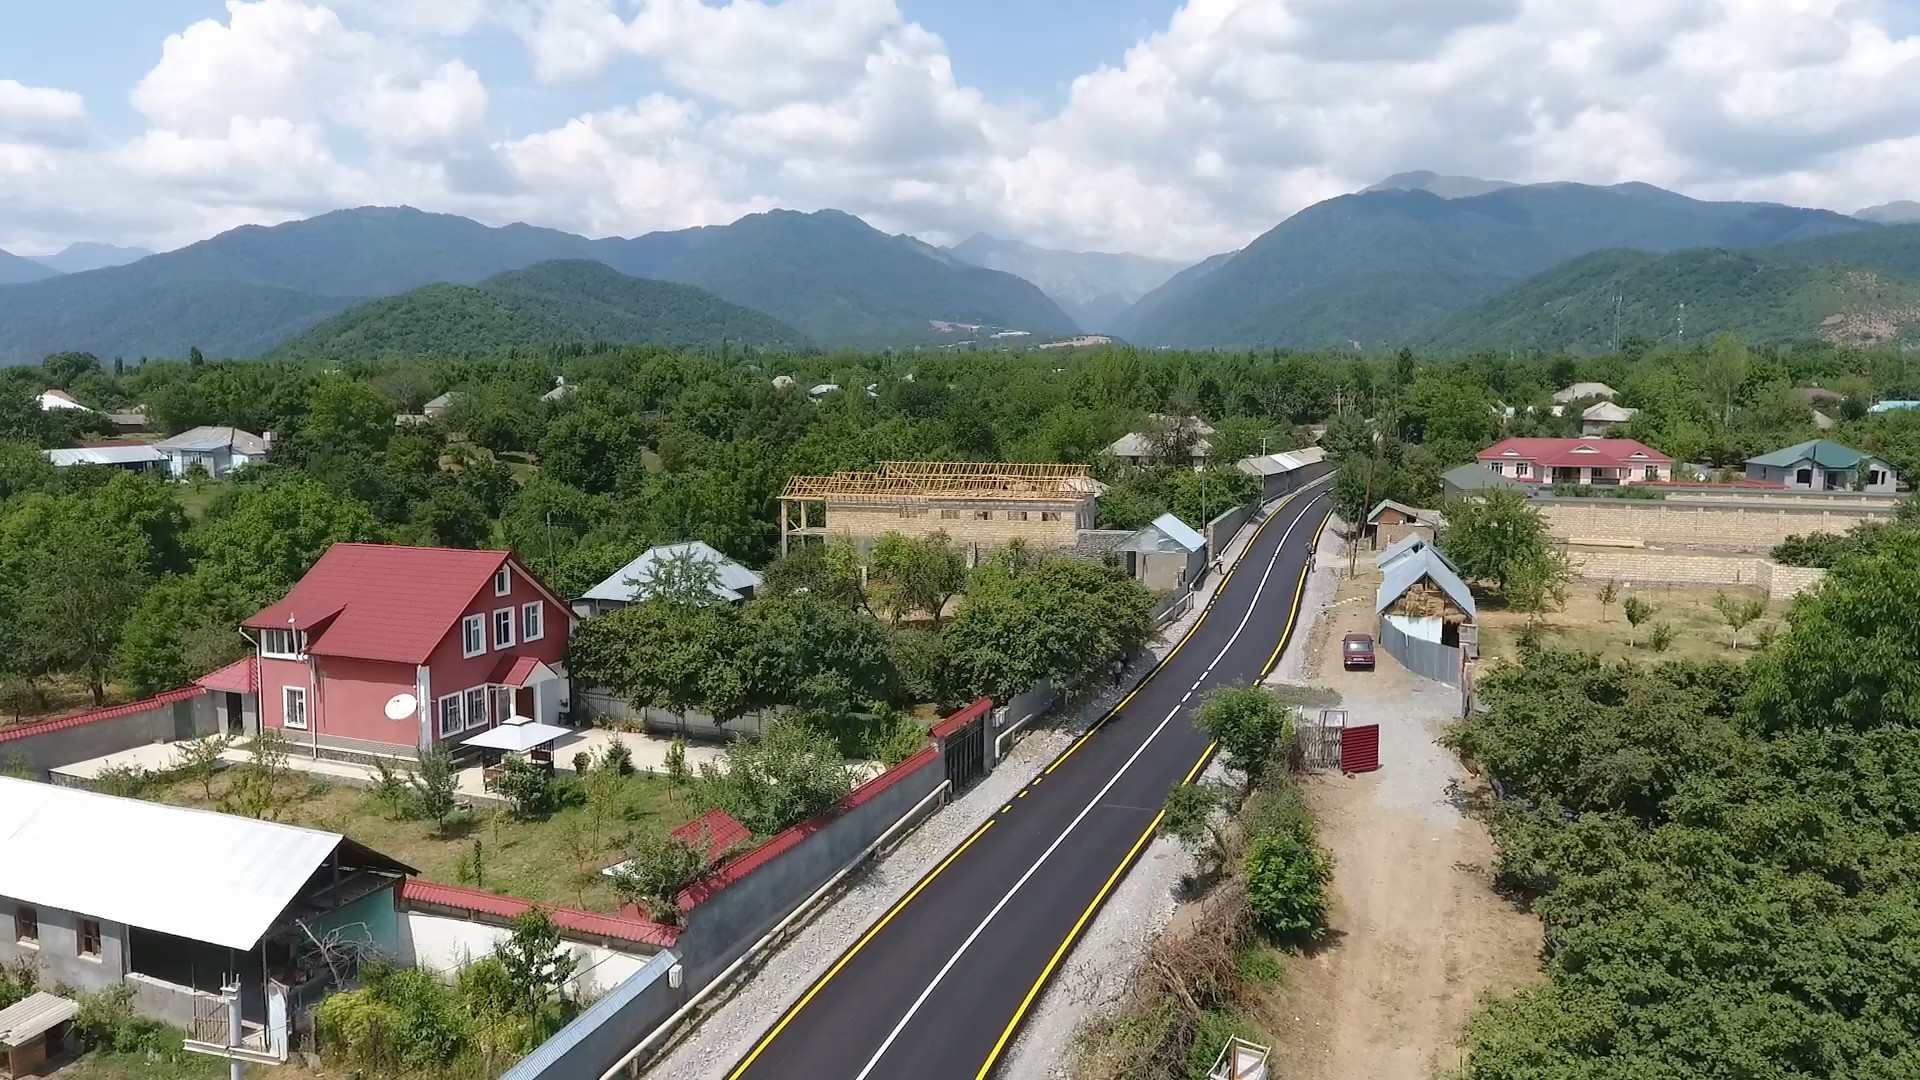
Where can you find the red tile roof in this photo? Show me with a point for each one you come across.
(718, 829)
(593, 923)
(385, 601)
(736, 869)
(21, 731)
(240, 677)
(1574, 453)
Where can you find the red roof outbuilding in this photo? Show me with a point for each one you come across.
(385, 601)
(240, 677)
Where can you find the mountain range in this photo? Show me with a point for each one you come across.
(1379, 269)
(1094, 287)
(566, 301)
(1420, 258)
(828, 275)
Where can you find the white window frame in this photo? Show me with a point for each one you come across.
(287, 694)
(502, 580)
(486, 703)
(272, 635)
(1496, 467)
(458, 715)
(506, 624)
(1520, 468)
(468, 633)
(533, 621)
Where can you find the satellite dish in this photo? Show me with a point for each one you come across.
(401, 706)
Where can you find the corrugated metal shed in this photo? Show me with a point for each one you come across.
(1408, 545)
(33, 1016)
(190, 873)
(732, 581)
(1166, 535)
(1424, 563)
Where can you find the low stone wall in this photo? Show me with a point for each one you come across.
(1733, 526)
(1672, 568)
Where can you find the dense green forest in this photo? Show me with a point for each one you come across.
(574, 300)
(657, 445)
(1726, 857)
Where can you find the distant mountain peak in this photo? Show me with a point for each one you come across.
(83, 255)
(1898, 212)
(1447, 187)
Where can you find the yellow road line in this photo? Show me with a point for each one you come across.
(1299, 593)
(1080, 924)
(787, 1018)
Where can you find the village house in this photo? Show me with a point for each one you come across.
(1165, 555)
(1581, 390)
(732, 583)
(1595, 462)
(1599, 418)
(980, 506)
(384, 649)
(218, 450)
(1821, 465)
(1391, 521)
(133, 457)
(1165, 434)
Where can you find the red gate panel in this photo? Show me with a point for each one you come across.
(1360, 749)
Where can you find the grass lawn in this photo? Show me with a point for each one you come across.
(106, 1066)
(556, 859)
(1699, 633)
(196, 498)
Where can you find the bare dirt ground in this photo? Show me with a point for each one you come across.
(1417, 933)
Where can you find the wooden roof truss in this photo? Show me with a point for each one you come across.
(932, 481)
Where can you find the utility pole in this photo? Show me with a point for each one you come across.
(548, 518)
(1356, 527)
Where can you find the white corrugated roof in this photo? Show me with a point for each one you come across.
(34, 1015)
(1427, 562)
(105, 455)
(1165, 534)
(732, 581)
(1180, 532)
(1285, 462)
(216, 437)
(191, 873)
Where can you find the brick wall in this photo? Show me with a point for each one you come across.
(1663, 568)
(1736, 527)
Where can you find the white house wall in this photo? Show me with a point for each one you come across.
(445, 945)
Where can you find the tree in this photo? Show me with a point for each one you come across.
(1287, 877)
(62, 369)
(434, 784)
(1536, 580)
(1608, 594)
(907, 574)
(200, 760)
(255, 790)
(1638, 611)
(452, 517)
(536, 960)
(275, 532)
(407, 387)
(80, 577)
(1249, 723)
(181, 629)
(1189, 818)
(1487, 535)
(789, 774)
(1029, 617)
(679, 778)
(659, 654)
(681, 578)
(657, 869)
(1738, 612)
(343, 417)
(1725, 371)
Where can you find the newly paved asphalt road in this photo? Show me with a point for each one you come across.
(937, 988)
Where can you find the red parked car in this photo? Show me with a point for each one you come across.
(1356, 651)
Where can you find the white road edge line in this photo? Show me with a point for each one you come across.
(1075, 823)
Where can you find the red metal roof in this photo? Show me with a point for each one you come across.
(718, 829)
(240, 677)
(384, 601)
(736, 869)
(1574, 453)
(21, 731)
(513, 670)
(618, 927)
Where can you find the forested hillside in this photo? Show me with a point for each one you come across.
(1591, 303)
(249, 290)
(552, 303)
(14, 269)
(1094, 287)
(1384, 268)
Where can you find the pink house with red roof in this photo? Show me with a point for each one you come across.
(384, 649)
(1592, 461)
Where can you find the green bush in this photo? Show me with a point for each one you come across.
(527, 786)
(617, 758)
(106, 1021)
(658, 867)
(1287, 885)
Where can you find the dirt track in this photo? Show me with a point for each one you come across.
(1418, 934)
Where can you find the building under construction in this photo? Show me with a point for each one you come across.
(981, 506)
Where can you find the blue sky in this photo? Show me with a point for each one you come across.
(1178, 128)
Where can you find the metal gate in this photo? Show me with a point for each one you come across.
(966, 754)
(1360, 749)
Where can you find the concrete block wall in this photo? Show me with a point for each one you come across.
(52, 743)
(1736, 527)
(964, 528)
(1668, 568)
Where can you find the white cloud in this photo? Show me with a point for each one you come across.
(41, 114)
(1208, 130)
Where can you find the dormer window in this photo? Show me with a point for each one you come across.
(280, 644)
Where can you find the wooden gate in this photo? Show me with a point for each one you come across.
(1320, 739)
(1360, 749)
